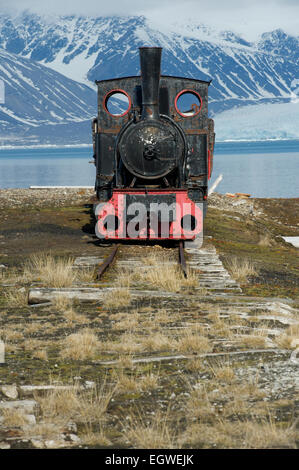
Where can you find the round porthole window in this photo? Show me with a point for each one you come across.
(188, 103)
(117, 103)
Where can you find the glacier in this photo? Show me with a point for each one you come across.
(259, 122)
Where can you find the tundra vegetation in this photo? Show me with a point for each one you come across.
(182, 368)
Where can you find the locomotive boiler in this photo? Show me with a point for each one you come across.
(153, 151)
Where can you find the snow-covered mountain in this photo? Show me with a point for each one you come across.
(85, 49)
(41, 105)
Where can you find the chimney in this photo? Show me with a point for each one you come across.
(150, 64)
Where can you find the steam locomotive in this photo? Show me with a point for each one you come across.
(153, 151)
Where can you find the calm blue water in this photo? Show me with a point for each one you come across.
(263, 169)
(21, 168)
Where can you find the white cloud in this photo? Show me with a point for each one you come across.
(248, 17)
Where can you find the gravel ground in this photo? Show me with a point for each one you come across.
(13, 198)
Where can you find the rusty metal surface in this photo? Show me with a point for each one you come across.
(195, 131)
(108, 261)
(182, 259)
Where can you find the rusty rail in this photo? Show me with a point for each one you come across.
(108, 261)
(182, 259)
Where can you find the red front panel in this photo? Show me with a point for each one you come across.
(153, 214)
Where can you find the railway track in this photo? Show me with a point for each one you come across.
(203, 263)
(237, 327)
(110, 259)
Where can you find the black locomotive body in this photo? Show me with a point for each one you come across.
(152, 152)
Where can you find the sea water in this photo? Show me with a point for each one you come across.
(262, 169)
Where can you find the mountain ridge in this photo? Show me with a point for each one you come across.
(40, 104)
(86, 49)
(83, 49)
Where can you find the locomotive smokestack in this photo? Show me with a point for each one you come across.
(150, 64)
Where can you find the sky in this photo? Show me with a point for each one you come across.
(249, 18)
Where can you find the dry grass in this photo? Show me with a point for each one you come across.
(243, 435)
(124, 279)
(11, 333)
(119, 316)
(156, 257)
(192, 341)
(95, 438)
(50, 271)
(125, 362)
(126, 383)
(126, 343)
(40, 354)
(155, 433)
(62, 303)
(199, 406)
(46, 430)
(214, 315)
(169, 277)
(55, 272)
(16, 297)
(289, 339)
(65, 306)
(223, 373)
(60, 404)
(157, 342)
(85, 407)
(196, 365)
(3, 275)
(120, 297)
(80, 346)
(149, 381)
(14, 418)
(248, 390)
(31, 344)
(73, 317)
(265, 240)
(163, 272)
(129, 324)
(189, 340)
(268, 435)
(256, 339)
(163, 316)
(237, 408)
(241, 269)
(223, 397)
(219, 326)
(86, 275)
(135, 382)
(33, 327)
(10, 275)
